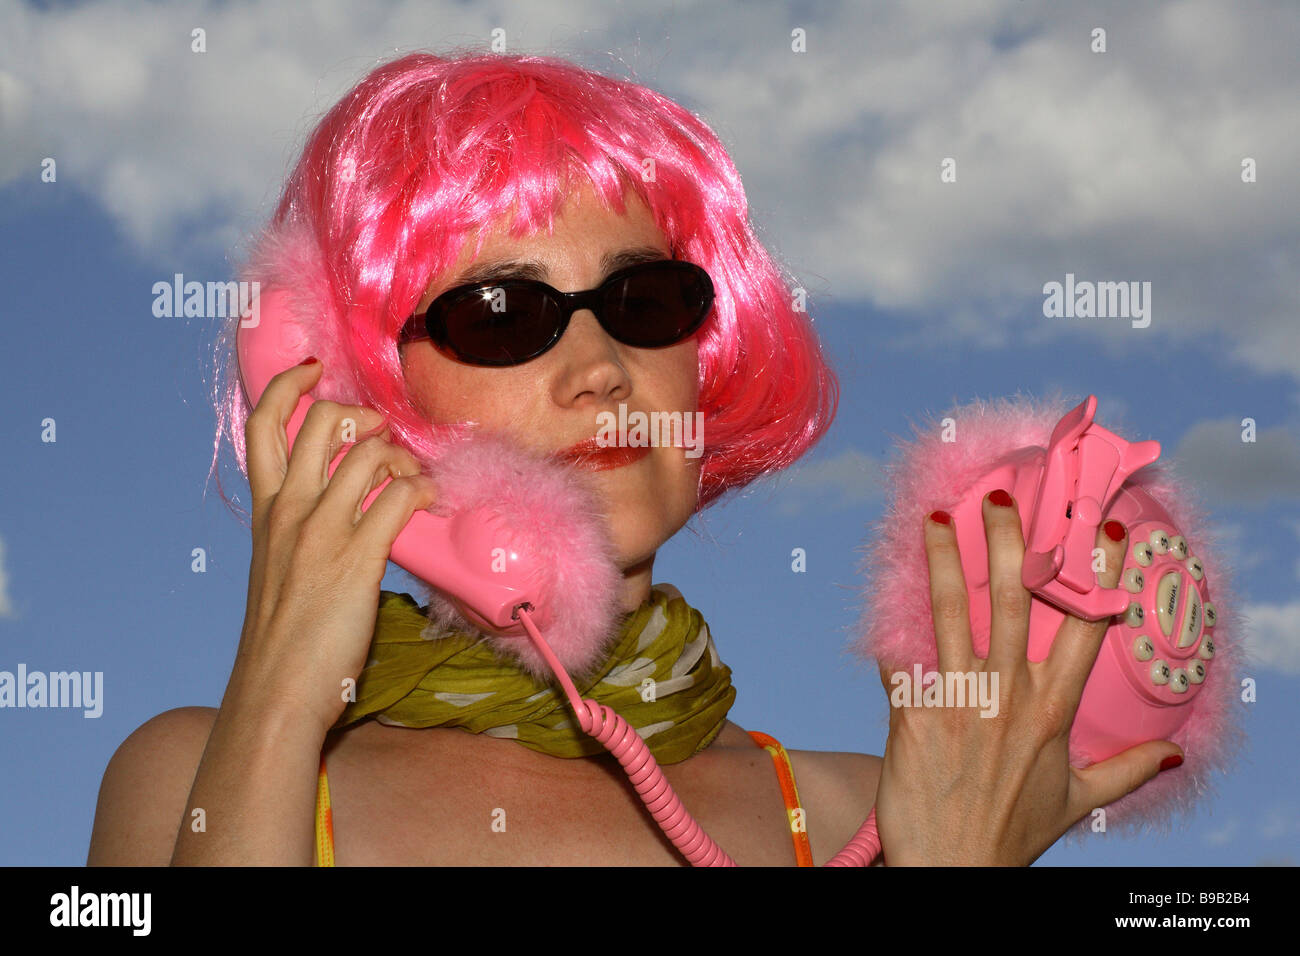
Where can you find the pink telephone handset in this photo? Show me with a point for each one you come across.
(452, 553)
(1160, 674)
(558, 572)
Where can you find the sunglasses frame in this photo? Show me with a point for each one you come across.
(434, 323)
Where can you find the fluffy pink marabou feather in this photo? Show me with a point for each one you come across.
(897, 628)
(553, 513)
(288, 259)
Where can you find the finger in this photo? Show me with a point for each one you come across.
(1105, 782)
(365, 467)
(949, 603)
(326, 429)
(1009, 600)
(265, 444)
(1074, 649)
(391, 510)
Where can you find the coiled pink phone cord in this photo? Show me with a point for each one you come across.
(621, 739)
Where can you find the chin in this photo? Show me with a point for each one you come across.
(634, 541)
(638, 534)
(644, 507)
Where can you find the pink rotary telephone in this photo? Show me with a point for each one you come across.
(516, 544)
(1166, 667)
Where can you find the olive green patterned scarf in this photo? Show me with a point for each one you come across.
(662, 675)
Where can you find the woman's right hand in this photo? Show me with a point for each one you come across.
(318, 559)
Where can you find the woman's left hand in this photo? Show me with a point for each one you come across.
(957, 788)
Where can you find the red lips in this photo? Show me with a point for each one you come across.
(591, 454)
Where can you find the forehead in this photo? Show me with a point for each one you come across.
(584, 234)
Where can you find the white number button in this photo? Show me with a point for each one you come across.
(1133, 616)
(1143, 649)
(1196, 671)
(1178, 547)
(1159, 672)
(1159, 542)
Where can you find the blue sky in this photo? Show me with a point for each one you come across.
(1117, 166)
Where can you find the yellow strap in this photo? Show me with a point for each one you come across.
(324, 819)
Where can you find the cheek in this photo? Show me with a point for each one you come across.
(446, 391)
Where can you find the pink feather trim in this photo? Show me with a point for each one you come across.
(556, 515)
(288, 258)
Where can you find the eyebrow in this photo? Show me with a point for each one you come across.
(497, 269)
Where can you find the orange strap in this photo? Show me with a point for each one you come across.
(785, 773)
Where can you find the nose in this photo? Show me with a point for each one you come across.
(590, 365)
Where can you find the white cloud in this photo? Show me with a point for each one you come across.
(850, 479)
(1274, 636)
(1240, 552)
(1212, 454)
(1122, 165)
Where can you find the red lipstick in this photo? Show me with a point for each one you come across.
(591, 454)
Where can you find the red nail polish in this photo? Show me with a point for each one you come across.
(309, 361)
(1170, 762)
(1000, 498)
(940, 517)
(1114, 530)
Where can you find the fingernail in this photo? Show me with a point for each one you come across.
(1000, 498)
(940, 517)
(1114, 530)
(309, 361)
(1170, 762)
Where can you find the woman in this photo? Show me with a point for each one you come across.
(428, 175)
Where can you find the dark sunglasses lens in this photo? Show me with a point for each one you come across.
(504, 325)
(657, 307)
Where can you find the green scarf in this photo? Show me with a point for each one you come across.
(663, 676)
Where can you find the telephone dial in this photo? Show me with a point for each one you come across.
(496, 499)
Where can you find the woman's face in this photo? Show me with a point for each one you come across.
(551, 403)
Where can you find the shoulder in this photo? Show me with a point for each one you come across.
(839, 771)
(838, 791)
(146, 787)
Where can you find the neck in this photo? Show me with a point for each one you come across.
(635, 589)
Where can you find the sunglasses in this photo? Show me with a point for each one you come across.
(511, 321)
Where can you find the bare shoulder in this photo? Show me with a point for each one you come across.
(146, 787)
(838, 770)
(838, 790)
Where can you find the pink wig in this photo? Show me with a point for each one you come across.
(426, 150)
